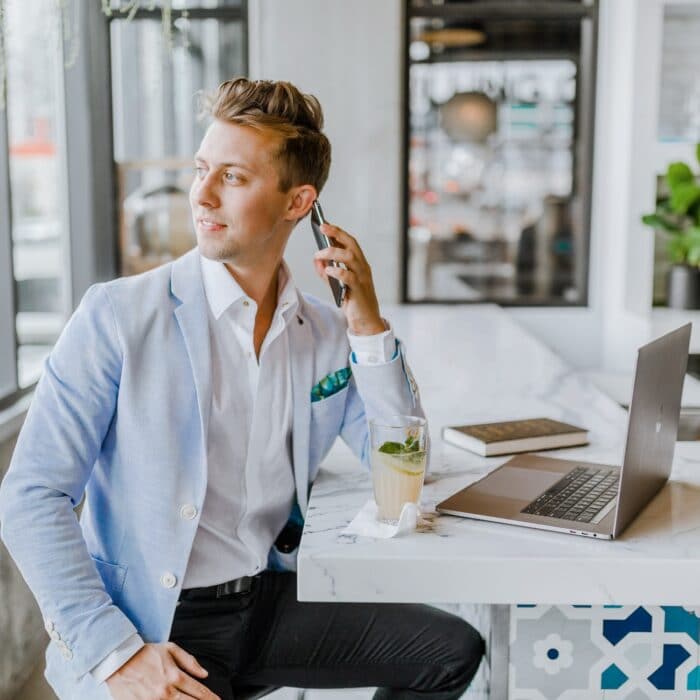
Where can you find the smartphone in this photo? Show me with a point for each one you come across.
(323, 241)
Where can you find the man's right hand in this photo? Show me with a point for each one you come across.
(160, 672)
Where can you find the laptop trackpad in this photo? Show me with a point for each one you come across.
(518, 483)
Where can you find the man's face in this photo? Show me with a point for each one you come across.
(239, 214)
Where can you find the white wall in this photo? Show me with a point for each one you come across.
(349, 54)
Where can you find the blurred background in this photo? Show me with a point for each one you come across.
(483, 152)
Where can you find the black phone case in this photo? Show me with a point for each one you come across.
(337, 287)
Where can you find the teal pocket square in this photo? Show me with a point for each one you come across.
(331, 384)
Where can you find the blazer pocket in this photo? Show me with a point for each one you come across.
(334, 401)
(326, 420)
(333, 383)
(112, 575)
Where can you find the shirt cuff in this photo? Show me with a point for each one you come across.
(114, 661)
(373, 349)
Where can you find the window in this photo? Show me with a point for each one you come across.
(678, 113)
(34, 173)
(55, 153)
(499, 142)
(156, 131)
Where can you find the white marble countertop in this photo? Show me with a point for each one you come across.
(476, 364)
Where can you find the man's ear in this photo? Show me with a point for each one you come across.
(300, 204)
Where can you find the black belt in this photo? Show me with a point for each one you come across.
(238, 586)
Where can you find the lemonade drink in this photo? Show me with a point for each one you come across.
(397, 479)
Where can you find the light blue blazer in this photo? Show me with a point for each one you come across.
(120, 414)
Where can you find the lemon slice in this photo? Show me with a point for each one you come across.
(416, 459)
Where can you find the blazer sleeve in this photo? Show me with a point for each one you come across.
(70, 414)
(375, 391)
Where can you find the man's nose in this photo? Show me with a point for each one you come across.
(206, 194)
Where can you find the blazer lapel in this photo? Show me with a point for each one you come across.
(301, 360)
(192, 317)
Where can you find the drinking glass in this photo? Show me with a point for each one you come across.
(398, 458)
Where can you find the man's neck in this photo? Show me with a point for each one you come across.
(259, 284)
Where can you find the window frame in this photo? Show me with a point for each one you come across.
(9, 381)
(582, 170)
(87, 217)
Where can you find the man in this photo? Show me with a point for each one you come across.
(188, 405)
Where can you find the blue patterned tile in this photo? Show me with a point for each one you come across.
(664, 678)
(611, 652)
(616, 630)
(679, 619)
(552, 653)
(612, 678)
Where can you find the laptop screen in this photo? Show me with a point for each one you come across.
(653, 422)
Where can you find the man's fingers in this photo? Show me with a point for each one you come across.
(189, 665)
(186, 661)
(342, 237)
(320, 266)
(347, 277)
(338, 254)
(189, 687)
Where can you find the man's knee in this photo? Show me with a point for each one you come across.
(468, 649)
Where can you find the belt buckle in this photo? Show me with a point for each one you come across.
(238, 586)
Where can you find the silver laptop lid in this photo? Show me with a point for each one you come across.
(653, 422)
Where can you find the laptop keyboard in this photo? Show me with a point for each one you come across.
(580, 495)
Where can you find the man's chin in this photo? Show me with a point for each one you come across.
(216, 250)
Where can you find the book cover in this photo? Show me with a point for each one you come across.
(504, 437)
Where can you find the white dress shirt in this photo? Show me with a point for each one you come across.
(250, 484)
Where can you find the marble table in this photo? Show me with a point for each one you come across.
(476, 364)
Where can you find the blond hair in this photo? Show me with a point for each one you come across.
(304, 156)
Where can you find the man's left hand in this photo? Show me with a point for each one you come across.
(360, 306)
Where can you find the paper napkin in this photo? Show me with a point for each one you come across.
(366, 522)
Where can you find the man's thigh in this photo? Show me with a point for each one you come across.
(214, 633)
(326, 645)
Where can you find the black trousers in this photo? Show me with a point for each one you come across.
(267, 637)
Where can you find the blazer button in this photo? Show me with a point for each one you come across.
(188, 511)
(168, 580)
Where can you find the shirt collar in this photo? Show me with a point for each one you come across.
(222, 289)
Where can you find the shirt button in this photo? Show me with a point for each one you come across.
(168, 580)
(67, 654)
(246, 302)
(372, 358)
(188, 511)
(49, 626)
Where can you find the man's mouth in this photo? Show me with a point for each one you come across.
(210, 224)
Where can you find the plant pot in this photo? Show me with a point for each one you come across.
(683, 287)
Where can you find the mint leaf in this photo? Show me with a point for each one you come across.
(397, 448)
(391, 448)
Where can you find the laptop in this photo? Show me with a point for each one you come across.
(585, 498)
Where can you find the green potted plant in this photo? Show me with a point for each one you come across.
(678, 216)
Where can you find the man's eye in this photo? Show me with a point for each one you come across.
(199, 171)
(232, 177)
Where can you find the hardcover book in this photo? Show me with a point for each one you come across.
(508, 437)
